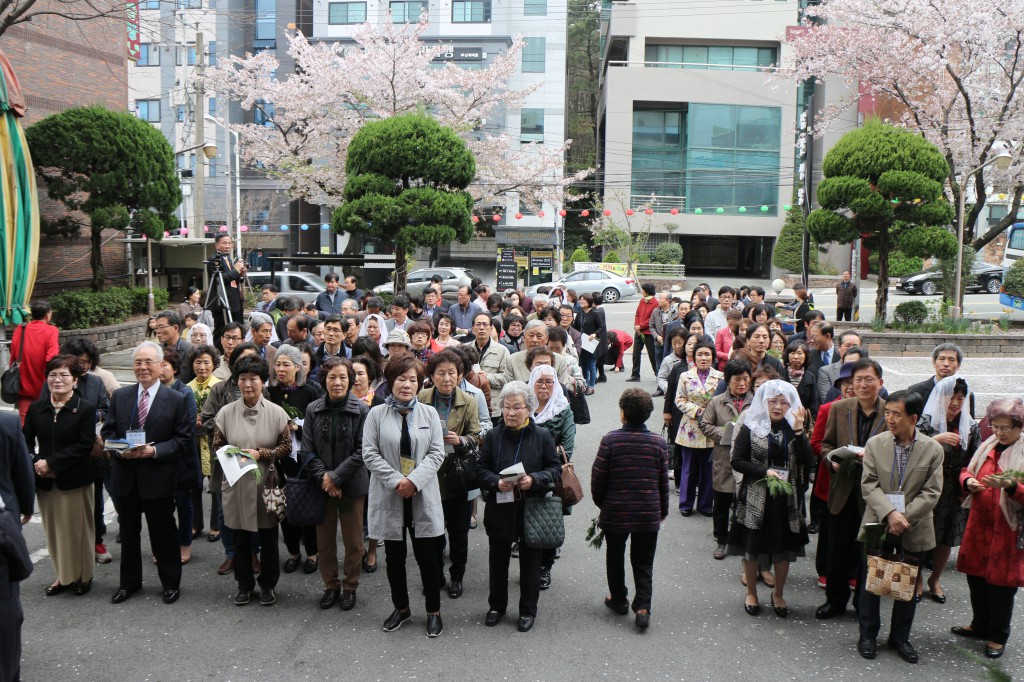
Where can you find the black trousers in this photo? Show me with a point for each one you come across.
(163, 538)
(10, 625)
(456, 520)
(845, 554)
(270, 559)
(870, 608)
(844, 313)
(640, 341)
(720, 516)
(641, 556)
(677, 459)
(426, 551)
(824, 538)
(993, 609)
(498, 557)
(294, 536)
(99, 521)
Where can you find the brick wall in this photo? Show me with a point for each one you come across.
(903, 344)
(64, 263)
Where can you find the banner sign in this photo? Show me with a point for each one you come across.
(132, 21)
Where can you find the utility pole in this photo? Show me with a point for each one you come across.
(198, 109)
(806, 171)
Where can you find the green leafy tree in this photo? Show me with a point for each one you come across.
(111, 170)
(580, 255)
(884, 183)
(407, 177)
(668, 253)
(788, 254)
(583, 75)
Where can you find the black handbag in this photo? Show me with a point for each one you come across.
(543, 526)
(459, 472)
(578, 405)
(307, 502)
(10, 381)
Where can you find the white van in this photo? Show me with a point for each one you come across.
(1014, 244)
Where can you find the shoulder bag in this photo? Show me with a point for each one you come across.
(273, 495)
(10, 381)
(543, 527)
(568, 487)
(459, 470)
(890, 577)
(307, 502)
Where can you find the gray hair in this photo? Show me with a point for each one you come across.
(540, 301)
(150, 345)
(286, 350)
(257, 320)
(533, 324)
(518, 389)
(948, 348)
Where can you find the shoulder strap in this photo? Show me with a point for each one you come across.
(21, 347)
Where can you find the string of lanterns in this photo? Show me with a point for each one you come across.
(585, 213)
(245, 228)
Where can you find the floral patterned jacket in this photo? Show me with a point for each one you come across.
(691, 399)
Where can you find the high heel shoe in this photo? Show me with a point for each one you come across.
(780, 611)
(369, 568)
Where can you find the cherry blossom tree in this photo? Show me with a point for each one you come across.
(312, 114)
(950, 71)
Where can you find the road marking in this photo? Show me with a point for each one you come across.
(39, 554)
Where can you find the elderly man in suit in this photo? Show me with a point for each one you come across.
(17, 497)
(232, 273)
(827, 375)
(851, 421)
(946, 360)
(901, 484)
(143, 478)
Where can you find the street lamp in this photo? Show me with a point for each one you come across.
(232, 195)
(1002, 161)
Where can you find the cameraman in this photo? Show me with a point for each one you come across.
(232, 273)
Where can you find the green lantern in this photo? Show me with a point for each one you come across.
(786, 207)
(698, 211)
(743, 209)
(719, 210)
(764, 209)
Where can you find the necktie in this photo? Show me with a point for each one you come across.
(824, 357)
(143, 408)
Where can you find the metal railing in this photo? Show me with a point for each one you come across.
(697, 66)
(640, 270)
(659, 202)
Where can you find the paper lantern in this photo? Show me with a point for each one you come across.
(563, 213)
(540, 214)
(304, 227)
(324, 226)
(584, 213)
(284, 228)
(764, 209)
(629, 211)
(166, 233)
(263, 228)
(719, 210)
(743, 209)
(698, 211)
(223, 228)
(496, 217)
(206, 228)
(244, 228)
(519, 216)
(786, 207)
(649, 211)
(475, 219)
(607, 212)
(184, 231)
(674, 211)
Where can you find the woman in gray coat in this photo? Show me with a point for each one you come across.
(403, 448)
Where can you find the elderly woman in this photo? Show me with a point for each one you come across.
(517, 440)
(419, 337)
(403, 448)
(461, 419)
(60, 429)
(716, 423)
(200, 335)
(555, 416)
(695, 389)
(769, 528)
(374, 328)
(991, 553)
(261, 430)
(332, 442)
(204, 360)
(951, 426)
(629, 483)
(290, 391)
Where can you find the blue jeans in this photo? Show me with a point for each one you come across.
(589, 365)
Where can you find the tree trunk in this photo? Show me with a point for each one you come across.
(882, 293)
(96, 259)
(401, 269)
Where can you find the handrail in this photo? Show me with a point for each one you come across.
(701, 66)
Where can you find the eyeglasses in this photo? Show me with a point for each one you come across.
(233, 337)
(161, 327)
(63, 376)
(513, 408)
(146, 363)
(1002, 429)
(545, 382)
(779, 402)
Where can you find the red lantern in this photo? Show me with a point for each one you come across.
(563, 213)
(475, 219)
(629, 211)
(649, 211)
(607, 211)
(674, 211)
(496, 217)
(167, 234)
(223, 228)
(540, 214)
(519, 216)
(584, 213)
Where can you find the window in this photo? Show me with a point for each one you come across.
(191, 59)
(180, 113)
(149, 4)
(408, 12)
(266, 20)
(296, 283)
(657, 163)
(535, 8)
(263, 114)
(533, 55)
(471, 11)
(213, 107)
(997, 212)
(524, 207)
(149, 55)
(190, 4)
(148, 109)
(713, 57)
(1016, 240)
(531, 125)
(211, 53)
(346, 13)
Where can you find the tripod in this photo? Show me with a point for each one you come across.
(222, 296)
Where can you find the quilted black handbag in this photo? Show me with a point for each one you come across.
(543, 527)
(307, 502)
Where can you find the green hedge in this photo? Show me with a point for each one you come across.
(85, 309)
(669, 253)
(1013, 280)
(911, 312)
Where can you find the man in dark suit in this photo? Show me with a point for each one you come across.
(809, 318)
(433, 305)
(946, 359)
(851, 421)
(823, 350)
(17, 497)
(144, 478)
(233, 274)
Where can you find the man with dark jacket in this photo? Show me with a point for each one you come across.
(642, 336)
(17, 498)
(329, 301)
(232, 274)
(946, 359)
(846, 298)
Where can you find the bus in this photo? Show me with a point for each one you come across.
(1014, 244)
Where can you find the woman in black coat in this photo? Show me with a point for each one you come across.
(516, 440)
(590, 322)
(60, 429)
(332, 445)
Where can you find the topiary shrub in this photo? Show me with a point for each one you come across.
(580, 255)
(668, 253)
(1013, 280)
(901, 264)
(910, 313)
(611, 257)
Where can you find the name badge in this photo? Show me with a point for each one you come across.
(898, 500)
(135, 437)
(783, 473)
(502, 498)
(408, 464)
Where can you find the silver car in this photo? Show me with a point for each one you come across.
(608, 285)
(417, 281)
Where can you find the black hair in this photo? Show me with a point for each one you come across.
(557, 333)
(331, 277)
(172, 318)
(734, 368)
(913, 403)
(79, 346)
(704, 344)
(251, 364)
(203, 350)
(239, 349)
(636, 405)
(867, 363)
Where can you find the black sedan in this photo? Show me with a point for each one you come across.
(987, 279)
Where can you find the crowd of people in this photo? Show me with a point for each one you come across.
(405, 415)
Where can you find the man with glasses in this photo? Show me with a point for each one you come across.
(154, 419)
(168, 332)
(493, 358)
(334, 340)
(229, 340)
(827, 375)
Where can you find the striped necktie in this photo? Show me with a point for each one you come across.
(143, 408)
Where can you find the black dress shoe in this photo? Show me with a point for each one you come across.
(526, 623)
(82, 588)
(991, 652)
(829, 610)
(904, 649)
(633, 379)
(310, 566)
(602, 380)
(937, 598)
(780, 611)
(58, 588)
(455, 589)
(643, 620)
(434, 625)
(171, 596)
(368, 567)
(719, 552)
(348, 600)
(291, 565)
(966, 632)
(396, 619)
(493, 618)
(867, 647)
(122, 595)
(243, 597)
(545, 578)
(329, 599)
(686, 513)
(268, 597)
(621, 608)
(752, 609)
(813, 528)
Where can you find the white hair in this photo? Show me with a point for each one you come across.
(286, 350)
(540, 301)
(151, 345)
(518, 389)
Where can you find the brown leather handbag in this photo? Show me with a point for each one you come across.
(568, 487)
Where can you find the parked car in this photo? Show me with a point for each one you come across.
(290, 283)
(987, 279)
(417, 281)
(610, 286)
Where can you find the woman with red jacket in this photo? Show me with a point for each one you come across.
(37, 344)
